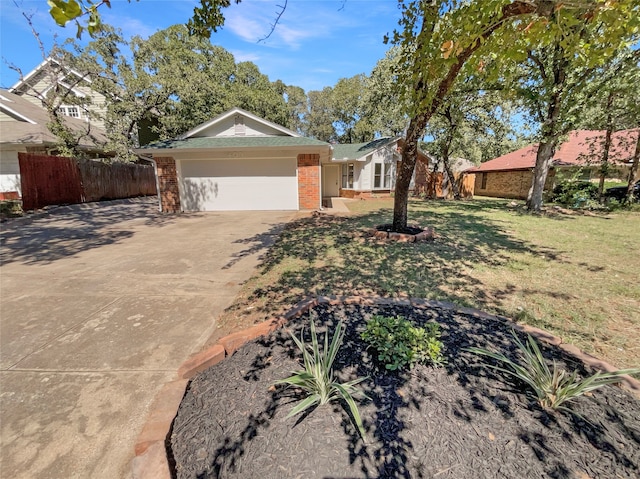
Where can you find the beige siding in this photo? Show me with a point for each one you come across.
(5, 117)
(383, 156)
(9, 168)
(96, 107)
(228, 128)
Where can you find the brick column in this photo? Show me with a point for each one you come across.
(309, 181)
(168, 184)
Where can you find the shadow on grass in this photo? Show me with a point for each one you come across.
(332, 256)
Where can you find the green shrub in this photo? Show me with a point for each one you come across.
(398, 343)
(552, 386)
(316, 379)
(10, 208)
(575, 194)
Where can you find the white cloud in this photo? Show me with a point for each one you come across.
(130, 26)
(292, 37)
(241, 56)
(252, 22)
(246, 28)
(322, 70)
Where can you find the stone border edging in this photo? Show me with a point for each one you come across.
(426, 234)
(151, 461)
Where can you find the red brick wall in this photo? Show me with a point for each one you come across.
(309, 181)
(364, 195)
(168, 184)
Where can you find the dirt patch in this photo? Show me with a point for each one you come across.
(461, 420)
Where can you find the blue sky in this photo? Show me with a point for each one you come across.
(315, 44)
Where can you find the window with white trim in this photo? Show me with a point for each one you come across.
(347, 175)
(387, 176)
(377, 175)
(72, 111)
(382, 176)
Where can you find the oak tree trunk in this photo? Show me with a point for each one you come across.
(543, 162)
(604, 165)
(633, 174)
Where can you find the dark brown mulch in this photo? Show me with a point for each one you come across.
(461, 420)
(409, 230)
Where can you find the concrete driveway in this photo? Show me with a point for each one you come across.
(99, 307)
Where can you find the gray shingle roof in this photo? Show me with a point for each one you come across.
(358, 150)
(20, 131)
(233, 142)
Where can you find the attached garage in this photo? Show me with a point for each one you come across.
(238, 161)
(232, 184)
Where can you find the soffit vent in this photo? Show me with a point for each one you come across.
(239, 124)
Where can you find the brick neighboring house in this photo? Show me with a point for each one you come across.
(511, 175)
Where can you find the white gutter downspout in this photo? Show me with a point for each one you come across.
(155, 171)
(321, 185)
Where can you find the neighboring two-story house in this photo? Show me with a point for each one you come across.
(23, 128)
(82, 102)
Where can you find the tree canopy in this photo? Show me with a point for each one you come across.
(174, 81)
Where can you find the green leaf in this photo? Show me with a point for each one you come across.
(62, 12)
(552, 386)
(59, 16)
(352, 407)
(316, 379)
(303, 405)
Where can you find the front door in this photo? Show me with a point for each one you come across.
(330, 181)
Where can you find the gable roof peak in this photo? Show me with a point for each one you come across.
(237, 111)
(41, 67)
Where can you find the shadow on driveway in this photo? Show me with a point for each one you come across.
(69, 230)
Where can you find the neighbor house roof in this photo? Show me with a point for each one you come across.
(233, 142)
(358, 151)
(457, 165)
(581, 148)
(30, 125)
(23, 85)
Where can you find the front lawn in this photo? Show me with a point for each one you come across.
(575, 275)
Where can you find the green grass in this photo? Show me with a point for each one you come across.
(574, 275)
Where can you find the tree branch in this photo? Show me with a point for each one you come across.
(276, 21)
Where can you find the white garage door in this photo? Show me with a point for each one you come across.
(240, 184)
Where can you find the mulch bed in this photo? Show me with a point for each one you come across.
(409, 230)
(460, 420)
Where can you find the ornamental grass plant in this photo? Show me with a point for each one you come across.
(317, 379)
(552, 386)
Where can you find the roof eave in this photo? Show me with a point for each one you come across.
(224, 149)
(11, 111)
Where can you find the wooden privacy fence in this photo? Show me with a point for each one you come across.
(54, 180)
(437, 185)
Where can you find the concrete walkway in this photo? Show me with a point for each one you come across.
(99, 306)
(338, 206)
